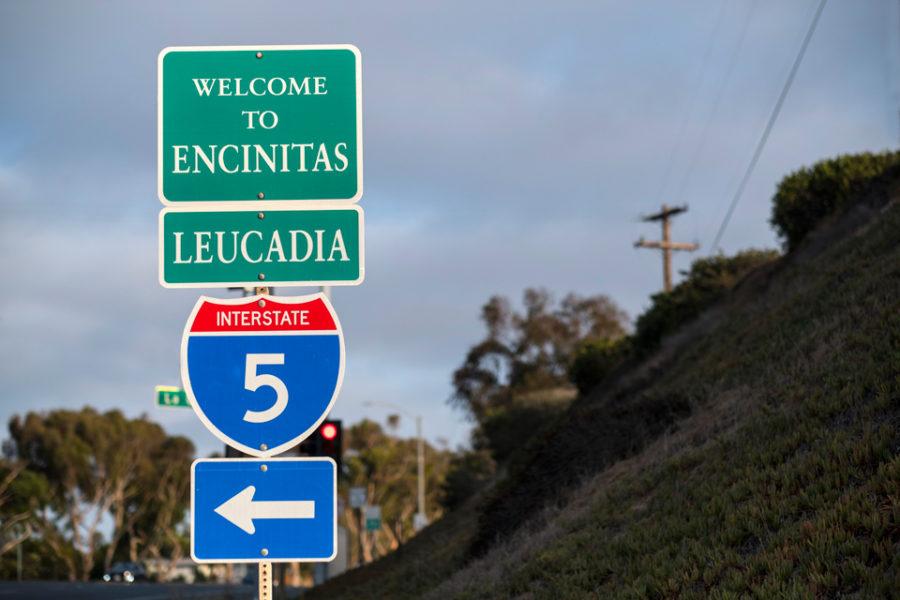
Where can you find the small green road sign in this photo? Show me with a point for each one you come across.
(242, 123)
(167, 395)
(230, 247)
(373, 518)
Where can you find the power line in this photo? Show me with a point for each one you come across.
(772, 118)
(701, 75)
(729, 69)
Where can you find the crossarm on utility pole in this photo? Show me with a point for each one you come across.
(666, 244)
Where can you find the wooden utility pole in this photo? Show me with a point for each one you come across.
(666, 244)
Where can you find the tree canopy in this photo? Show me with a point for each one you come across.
(531, 350)
(387, 467)
(101, 465)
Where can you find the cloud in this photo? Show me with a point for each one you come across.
(504, 149)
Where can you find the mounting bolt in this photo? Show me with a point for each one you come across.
(263, 468)
(261, 303)
(263, 447)
(259, 55)
(261, 215)
(264, 551)
(260, 195)
(261, 276)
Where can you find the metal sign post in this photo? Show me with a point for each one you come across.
(265, 580)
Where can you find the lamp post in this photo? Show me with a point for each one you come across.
(420, 520)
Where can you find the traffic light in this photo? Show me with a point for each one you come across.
(331, 441)
(325, 441)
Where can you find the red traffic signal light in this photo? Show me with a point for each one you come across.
(328, 431)
(327, 440)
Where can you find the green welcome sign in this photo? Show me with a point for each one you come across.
(232, 246)
(251, 123)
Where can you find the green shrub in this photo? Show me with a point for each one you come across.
(707, 281)
(807, 196)
(468, 473)
(506, 430)
(595, 360)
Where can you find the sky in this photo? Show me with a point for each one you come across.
(506, 146)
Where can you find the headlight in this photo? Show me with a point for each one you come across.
(128, 576)
(106, 577)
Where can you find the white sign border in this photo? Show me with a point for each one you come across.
(266, 558)
(186, 380)
(262, 207)
(286, 202)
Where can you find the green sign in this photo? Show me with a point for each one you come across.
(230, 247)
(373, 518)
(240, 123)
(171, 396)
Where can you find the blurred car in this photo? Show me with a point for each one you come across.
(127, 572)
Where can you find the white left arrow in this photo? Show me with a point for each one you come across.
(240, 509)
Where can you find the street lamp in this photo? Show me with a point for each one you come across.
(420, 520)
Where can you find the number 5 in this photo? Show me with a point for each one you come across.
(254, 381)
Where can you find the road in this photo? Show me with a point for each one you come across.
(51, 590)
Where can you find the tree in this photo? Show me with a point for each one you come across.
(99, 465)
(517, 379)
(22, 492)
(156, 503)
(386, 466)
(530, 351)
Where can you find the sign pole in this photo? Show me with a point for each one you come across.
(421, 519)
(362, 533)
(265, 581)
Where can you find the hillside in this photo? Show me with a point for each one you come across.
(755, 451)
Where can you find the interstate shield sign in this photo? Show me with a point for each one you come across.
(262, 372)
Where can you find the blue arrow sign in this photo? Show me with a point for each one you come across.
(262, 372)
(255, 510)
